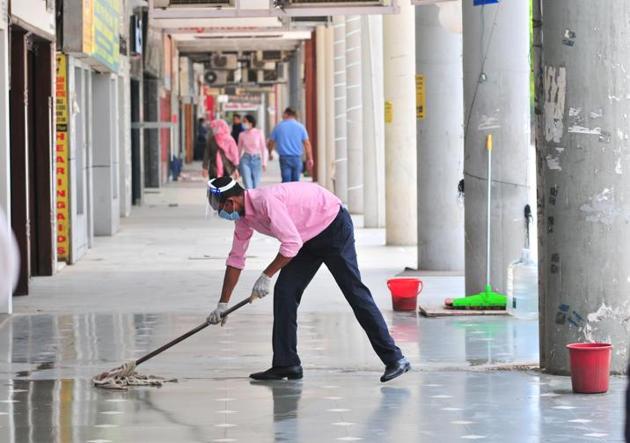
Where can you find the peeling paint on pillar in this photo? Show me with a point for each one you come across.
(584, 198)
(555, 83)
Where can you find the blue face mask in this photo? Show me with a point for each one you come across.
(231, 216)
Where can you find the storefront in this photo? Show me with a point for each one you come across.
(95, 147)
(31, 166)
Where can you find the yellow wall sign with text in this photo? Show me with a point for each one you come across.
(88, 26)
(389, 111)
(61, 158)
(421, 98)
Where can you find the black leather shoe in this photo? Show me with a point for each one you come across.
(396, 370)
(279, 373)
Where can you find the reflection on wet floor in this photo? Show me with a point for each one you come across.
(47, 361)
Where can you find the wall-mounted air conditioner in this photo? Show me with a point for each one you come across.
(216, 78)
(224, 61)
(336, 2)
(278, 75)
(270, 56)
(258, 63)
(190, 3)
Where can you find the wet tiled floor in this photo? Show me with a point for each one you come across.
(135, 291)
(450, 395)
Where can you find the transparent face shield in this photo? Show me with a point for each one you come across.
(214, 195)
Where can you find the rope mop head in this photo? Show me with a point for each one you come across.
(123, 376)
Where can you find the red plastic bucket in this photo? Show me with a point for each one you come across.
(590, 367)
(405, 292)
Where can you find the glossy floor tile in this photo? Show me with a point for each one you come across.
(160, 276)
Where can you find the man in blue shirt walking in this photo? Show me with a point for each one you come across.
(290, 139)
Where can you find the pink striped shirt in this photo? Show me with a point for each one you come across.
(252, 141)
(293, 213)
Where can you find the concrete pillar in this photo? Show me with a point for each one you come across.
(296, 89)
(373, 122)
(330, 108)
(496, 101)
(585, 194)
(341, 148)
(124, 123)
(440, 143)
(354, 114)
(152, 154)
(106, 155)
(320, 77)
(400, 126)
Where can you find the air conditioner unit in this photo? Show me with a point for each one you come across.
(278, 75)
(258, 63)
(336, 2)
(270, 56)
(216, 78)
(190, 3)
(224, 61)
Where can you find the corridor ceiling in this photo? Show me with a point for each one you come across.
(246, 25)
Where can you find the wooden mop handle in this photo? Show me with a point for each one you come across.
(183, 337)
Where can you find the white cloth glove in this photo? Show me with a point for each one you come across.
(262, 287)
(215, 316)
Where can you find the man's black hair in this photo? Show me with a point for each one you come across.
(235, 191)
(236, 115)
(250, 118)
(290, 112)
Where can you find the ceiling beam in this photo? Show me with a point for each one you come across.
(160, 17)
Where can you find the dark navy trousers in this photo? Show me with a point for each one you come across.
(335, 248)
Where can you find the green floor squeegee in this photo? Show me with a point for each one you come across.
(488, 299)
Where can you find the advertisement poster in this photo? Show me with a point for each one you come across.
(106, 33)
(61, 158)
(100, 34)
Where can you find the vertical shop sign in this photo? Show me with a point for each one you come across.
(421, 100)
(88, 26)
(100, 34)
(61, 158)
(105, 32)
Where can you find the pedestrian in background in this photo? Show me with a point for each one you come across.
(201, 140)
(290, 139)
(251, 145)
(237, 127)
(225, 161)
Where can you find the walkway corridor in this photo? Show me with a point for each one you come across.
(161, 275)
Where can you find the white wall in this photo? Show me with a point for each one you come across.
(106, 154)
(35, 14)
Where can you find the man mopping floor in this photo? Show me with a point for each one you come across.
(313, 228)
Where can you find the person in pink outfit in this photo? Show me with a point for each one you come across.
(251, 145)
(227, 156)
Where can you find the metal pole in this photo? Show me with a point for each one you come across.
(489, 209)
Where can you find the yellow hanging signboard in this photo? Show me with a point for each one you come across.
(61, 158)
